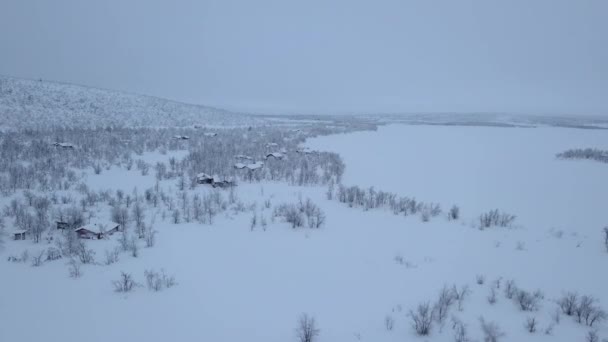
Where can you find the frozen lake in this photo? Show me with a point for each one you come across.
(481, 168)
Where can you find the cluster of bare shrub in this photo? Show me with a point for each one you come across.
(370, 198)
(300, 214)
(495, 218)
(155, 281)
(584, 309)
(425, 314)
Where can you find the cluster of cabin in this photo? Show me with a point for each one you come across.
(92, 230)
(95, 230)
(215, 181)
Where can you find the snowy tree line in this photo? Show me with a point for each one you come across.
(31, 161)
(586, 153)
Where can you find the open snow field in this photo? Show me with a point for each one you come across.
(482, 168)
(362, 268)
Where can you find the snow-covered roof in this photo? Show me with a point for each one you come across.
(184, 137)
(275, 154)
(210, 134)
(239, 165)
(203, 175)
(242, 156)
(63, 144)
(98, 226)
(305, 150)
(254, 166)
(19, 231)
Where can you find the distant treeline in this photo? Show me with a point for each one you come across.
(587, 153)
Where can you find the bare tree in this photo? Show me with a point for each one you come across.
(510, 289)
(461, 295)
(176, 215)
(491, 331)
(150, 236)
(492, 296)
(527, 301)
(120, 215)
(592, 336)
(38, 260)
(588, 312)
(460, 330)
(112, 256)
(253, 222)
(85, 255)
(422, 319)
(568, 303)
(443, 304)
(454, 213)
(307, 330)
(531, 324)
(389, 322)
(138, 217)
(74, 268)
(606, 238)
(125, 283)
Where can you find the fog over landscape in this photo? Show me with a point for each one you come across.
(319, 171)
(534, 57)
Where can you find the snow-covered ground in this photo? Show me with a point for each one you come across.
(482, 168)
(239, 284)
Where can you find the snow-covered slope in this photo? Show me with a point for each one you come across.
(36, 104)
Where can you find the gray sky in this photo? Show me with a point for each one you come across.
(315, 56)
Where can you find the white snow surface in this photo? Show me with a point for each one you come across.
(238, 284)
(482, 168)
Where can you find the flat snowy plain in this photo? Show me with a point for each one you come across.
(235, 284)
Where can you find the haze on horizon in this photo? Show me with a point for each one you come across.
(521, 56)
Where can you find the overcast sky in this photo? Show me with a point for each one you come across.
(316, 56)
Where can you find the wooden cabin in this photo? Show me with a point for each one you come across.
(19, 234)
(97, 230)
(203, 178)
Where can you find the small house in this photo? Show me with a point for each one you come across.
(222, 182)
(181, 137)
(19, 234)
(304, 150)
(63, 145)
(254, 166)
(242, 156)
(97, 230)
(275, 155)
(203, 178)
(239, 166)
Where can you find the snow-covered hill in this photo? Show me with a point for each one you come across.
(42, 104)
